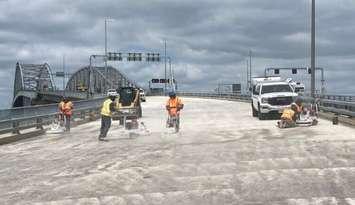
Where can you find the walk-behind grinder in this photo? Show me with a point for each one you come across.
(57, 126)
(309, 117)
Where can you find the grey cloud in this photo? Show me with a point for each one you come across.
(207, 40)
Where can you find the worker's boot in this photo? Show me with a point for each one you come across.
(102, 139)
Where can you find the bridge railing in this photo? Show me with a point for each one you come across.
(348, 98)
(16, 119)
(339, 107)
(72, 94)
(215, 95)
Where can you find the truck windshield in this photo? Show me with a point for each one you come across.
(275, 88)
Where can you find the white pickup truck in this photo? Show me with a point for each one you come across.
(271, 96)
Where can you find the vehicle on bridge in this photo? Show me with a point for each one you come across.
(81, 88)
(270, 95)
(129, 107)
(111, 91)
(298, 87)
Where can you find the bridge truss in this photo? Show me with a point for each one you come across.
(34, 84)
(31, 79)
(93, 80)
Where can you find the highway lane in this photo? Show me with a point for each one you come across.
(221, 156)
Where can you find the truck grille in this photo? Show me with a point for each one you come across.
(280, 101)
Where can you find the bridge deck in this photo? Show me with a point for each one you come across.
(221, 156)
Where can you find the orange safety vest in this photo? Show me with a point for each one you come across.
(299, 108)
(67, 108)
(174, 104)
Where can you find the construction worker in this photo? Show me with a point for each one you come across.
(108, 107)
(61, 114)
(66, 110)
(288, 117)
(299, 106)
(173, 106)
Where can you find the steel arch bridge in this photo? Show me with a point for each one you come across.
(95, 81)
(30, 79)
(34, 84)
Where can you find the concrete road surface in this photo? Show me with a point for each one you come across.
(221, 156)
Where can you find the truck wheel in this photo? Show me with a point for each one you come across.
(255, 113)
(261, 115)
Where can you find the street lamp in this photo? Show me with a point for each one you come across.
(106, 70)
(90, 72)
(313, 50)
(250, 64)
(248, 85)
(165, 65)
(171, 73)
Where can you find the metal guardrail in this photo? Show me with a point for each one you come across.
(71, 94)
(348, 98)
(339, 107)
(226, 96)
(16, 119)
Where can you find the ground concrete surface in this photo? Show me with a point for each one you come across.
(221, 156)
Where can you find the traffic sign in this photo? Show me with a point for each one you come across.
(59, 74)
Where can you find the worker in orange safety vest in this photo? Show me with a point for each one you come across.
(66, 111)
(174, 104)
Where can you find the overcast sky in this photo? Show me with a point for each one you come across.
(207, 40)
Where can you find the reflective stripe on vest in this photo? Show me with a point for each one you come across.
(105, 110)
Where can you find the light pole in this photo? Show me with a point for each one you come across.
(171, 75)
(250, 53)
(90, 72)
(313, 50)
(166, 72)
(173, 83)
(105, 51)
(64, 75)
(248, 86)
(165, 66)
